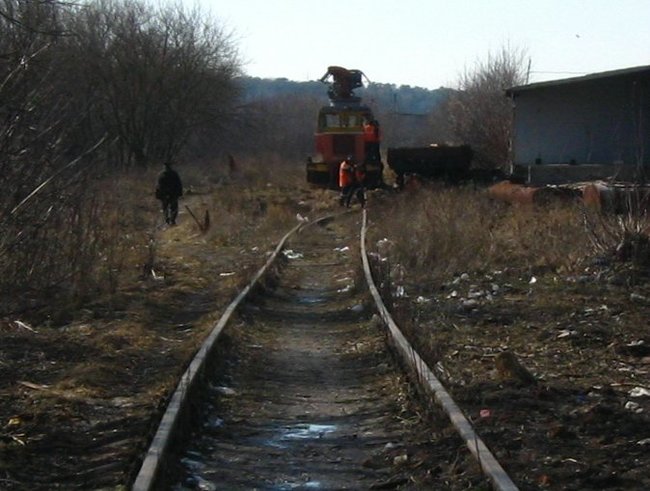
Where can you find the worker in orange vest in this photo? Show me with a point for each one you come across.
(346, 180)
(371, 138)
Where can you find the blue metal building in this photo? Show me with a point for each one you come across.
(583, 128)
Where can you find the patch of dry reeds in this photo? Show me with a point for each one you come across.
(97, 235)
(441, 232)
(624, 236)
(259, 197)
(75, 243)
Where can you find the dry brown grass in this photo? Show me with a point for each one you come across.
(89, 243)
(107, 238)
(456, 230)
(258, 197)
(564, 289)
(624, 236)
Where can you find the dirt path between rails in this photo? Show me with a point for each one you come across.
(308, 397)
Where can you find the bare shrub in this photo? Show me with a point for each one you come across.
(624, 236)
(480, 114)
(88, 89)
(92, 242)
(155, 77)
(284, 124)
(42, 213)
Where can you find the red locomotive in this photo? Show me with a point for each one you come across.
(345, 127)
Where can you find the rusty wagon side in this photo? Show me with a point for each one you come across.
(444, 162)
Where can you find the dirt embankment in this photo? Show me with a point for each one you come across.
(553, 370)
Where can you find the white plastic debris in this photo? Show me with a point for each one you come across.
(226, 391)
(204, 485)
(633, 406)
(400, 292)
(215, 422)
(475, 294)
(24, 325)
(639, 392)
(635, 297)
(470, 303)
(401, 459)
(565, 333)
(289, 254)
(532, 281)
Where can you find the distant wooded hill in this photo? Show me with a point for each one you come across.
(384, 98)
(280, 115)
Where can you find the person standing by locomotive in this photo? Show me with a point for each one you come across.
(371, 137)
(346, 180)
(169, 188)
(359, 186)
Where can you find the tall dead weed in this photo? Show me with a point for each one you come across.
(456, 230)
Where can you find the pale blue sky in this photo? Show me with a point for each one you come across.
(429, 43)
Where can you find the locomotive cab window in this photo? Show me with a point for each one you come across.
(332, 121)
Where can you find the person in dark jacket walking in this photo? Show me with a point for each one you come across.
(168, 190)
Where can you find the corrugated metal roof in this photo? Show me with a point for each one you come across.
(625, 72)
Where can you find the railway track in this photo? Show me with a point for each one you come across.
(305, 393)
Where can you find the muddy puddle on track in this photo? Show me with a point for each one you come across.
(307, 396)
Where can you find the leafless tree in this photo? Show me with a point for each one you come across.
(83, 84)
(36, 120)
(283, 125)
(160, 74)
(480, 114)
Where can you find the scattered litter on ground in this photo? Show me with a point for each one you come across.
(289, 254)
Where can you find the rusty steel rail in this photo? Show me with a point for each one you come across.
(177, 407)
(489, 464)
(178, 404)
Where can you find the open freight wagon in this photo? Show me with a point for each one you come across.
(442, 162)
